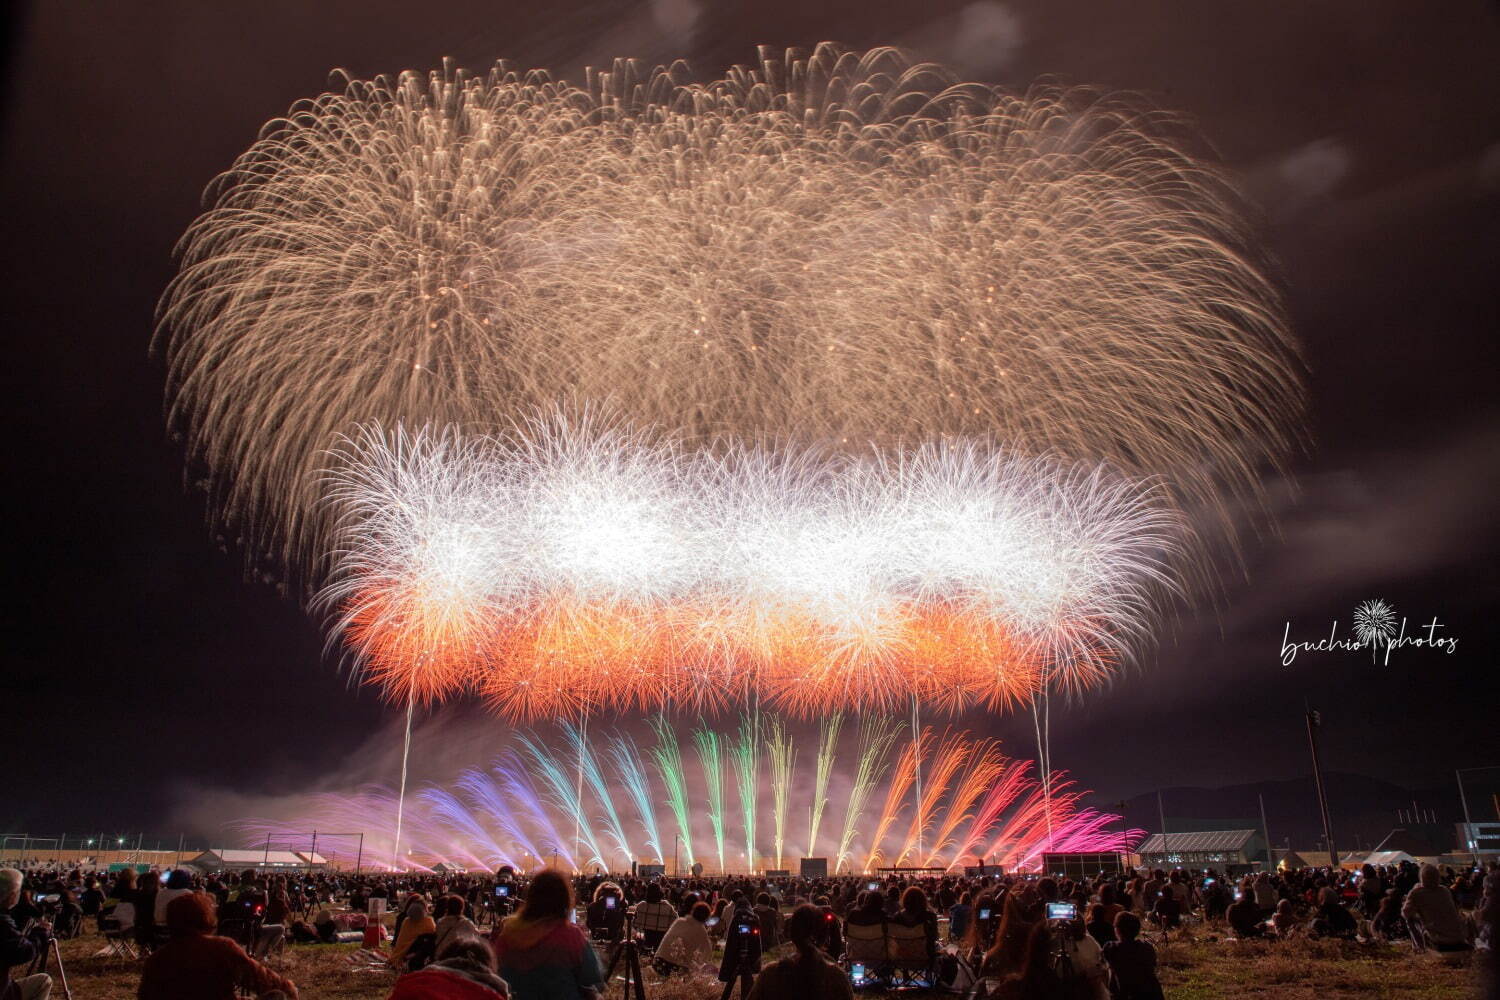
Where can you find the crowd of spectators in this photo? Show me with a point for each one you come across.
(476, 936)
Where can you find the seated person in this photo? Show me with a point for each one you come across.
(808, 975)
(1244, 916)
(195, 964)
(1284, 922)
(686, 944)
(770, 920)
(451, 923)
(1433, 916)
(654, 916)
(1166, 913)
(1388, 923)
(1132, 962)
(464, 970)
(915, 913)
(418, 924)
(1332, 918)
(605, 917)
(17, 948)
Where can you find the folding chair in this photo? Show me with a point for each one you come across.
(910, 961)
(864, 944)
(118, 928)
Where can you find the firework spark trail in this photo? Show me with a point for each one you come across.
(465, 821)
(710, 756)
(626, 758)
(944, 761)
(902, 777)
(783, 754)
(828, 742)
(563, 795)
(744, 754)
(668, 757)
(876, 737)
(583, 753)
(593, 565)
(845, 244)
(494, 816)
(518, 786)
(985, 767)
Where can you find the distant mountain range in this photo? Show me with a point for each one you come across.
(1363, 810)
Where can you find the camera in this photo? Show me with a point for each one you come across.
(502, 891)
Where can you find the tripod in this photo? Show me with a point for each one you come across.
(630, 950)
(39, 964)
(742, 971)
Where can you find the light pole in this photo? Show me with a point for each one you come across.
(1314, 720)
(676, 840)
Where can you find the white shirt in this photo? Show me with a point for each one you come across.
(686, 943)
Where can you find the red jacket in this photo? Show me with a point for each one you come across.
(203, 967)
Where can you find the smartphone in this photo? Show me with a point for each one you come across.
(1238, 895)
(1062, 911)
(610, 902)
(873, 886)
(857, 971)
(1208, 881)
(502, 891)
(984, 912)
(744, 928)
(711, 922)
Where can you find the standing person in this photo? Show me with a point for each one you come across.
(540, 953)
(808, 975)
(16, 948)
(196, 965)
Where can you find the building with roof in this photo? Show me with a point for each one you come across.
(218, 859)
(1204, 849)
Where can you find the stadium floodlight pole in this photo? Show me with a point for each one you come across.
(1314, 721)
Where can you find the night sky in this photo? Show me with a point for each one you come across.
(142, 667)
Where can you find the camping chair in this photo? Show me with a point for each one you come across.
(864, 944)
(910, 961)
(118, 927)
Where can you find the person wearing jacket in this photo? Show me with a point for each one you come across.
(539, 951)
(196, 965)
(15, 947)
(464, 970)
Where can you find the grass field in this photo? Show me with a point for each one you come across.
(1191, 969)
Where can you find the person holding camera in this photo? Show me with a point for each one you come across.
(17, 948)
(605, 917)
(742, 949)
